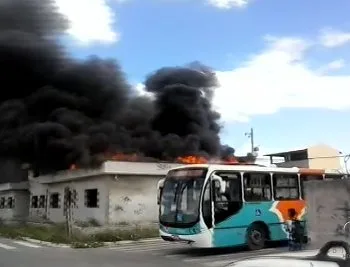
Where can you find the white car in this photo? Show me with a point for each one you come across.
(332, 254)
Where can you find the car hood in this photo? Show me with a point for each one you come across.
(291, 259)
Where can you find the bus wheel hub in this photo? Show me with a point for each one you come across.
(256, 236)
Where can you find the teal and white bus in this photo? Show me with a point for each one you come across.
(209, 205)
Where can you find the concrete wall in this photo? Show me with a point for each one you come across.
(328, 209)
(19, 211)
(295, 163)
(133, 199)
(318, 157)
(80, 212)
(38, 190)
(20, 200)
(127, 192)
(123, 199)
(323, 157)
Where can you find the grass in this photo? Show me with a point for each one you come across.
(58, 234)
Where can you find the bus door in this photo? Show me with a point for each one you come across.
(226, 195)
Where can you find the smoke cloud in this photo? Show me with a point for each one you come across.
(56, 111)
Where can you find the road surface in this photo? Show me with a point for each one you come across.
(148, 254)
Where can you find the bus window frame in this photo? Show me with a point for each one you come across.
(275, 187)
(207, 183)
(271, 186)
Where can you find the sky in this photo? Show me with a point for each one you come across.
(283, 66)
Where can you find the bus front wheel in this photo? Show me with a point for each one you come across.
(256, 237)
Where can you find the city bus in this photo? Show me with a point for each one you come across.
(213, 205)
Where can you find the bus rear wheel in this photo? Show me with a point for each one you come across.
(256, 237)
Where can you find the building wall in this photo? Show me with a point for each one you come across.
(324, 157)
(318, 157)
(127, 192)
(328, 209)
(19, 211)
(296, 163)
(80, 212)
(122, 199)
(37, 189)
(133, 199)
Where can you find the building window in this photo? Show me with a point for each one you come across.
(286, 186)
(10, 203)
(55, 200)
(42, 203)
(91, 198)
(2, 203)
(34, 203)
(257, 187)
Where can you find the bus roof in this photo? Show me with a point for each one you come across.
(246, 167)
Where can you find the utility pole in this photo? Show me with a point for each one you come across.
(251, 136)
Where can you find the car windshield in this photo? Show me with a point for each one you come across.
(180, 197)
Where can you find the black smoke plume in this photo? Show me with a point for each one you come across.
(56, 111)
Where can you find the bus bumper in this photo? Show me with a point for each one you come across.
(201, 240)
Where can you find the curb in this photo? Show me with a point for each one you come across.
(49, 244)
(106, 244)
(126, 242)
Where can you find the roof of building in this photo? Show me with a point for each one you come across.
(14, 186)
(281, 154)
(110, 168)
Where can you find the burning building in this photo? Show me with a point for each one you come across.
(61, 113)
(57, 111)
(119, 190)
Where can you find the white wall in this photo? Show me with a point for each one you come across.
(80, 212)
(20, 209)
(129, 199)
(83, 213)
(37, 189)
(133, 199)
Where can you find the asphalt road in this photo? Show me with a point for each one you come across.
(146, 254)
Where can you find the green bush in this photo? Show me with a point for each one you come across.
(58, 234)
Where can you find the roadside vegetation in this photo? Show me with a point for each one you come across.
(58, 234)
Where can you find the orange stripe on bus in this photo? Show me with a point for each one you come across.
(284, 206)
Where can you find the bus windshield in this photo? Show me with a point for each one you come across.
(180, 198)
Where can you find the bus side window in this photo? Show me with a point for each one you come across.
(286, 186)
(257, 187)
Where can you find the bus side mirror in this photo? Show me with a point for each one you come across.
(220, 182)
(160, 186)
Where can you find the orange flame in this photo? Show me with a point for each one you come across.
(231, 160)
(192, 160)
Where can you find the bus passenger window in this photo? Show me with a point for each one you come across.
(257, 187)
(286, 186)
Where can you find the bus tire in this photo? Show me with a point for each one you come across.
(256, 236)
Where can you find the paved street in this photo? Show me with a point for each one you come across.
(184, 255)
(149, 254)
